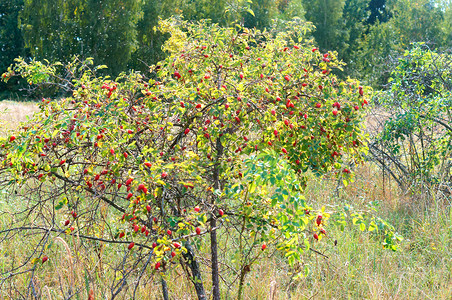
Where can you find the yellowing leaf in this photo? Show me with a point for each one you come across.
(34, 260)
(362, 226)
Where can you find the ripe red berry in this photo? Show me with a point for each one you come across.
(148, 164)
(287, 78)
(198, 230)
(12, 138)
(173, 253)
(169, 232)
(220, 212)
(176, 245)
(66, 223)
(121, 235)
(316, 236)
(131, 245)
(318, 220)
(263, 247)
(157, 265)
(148, 208)
(197, 209)
(187, 131)
(44, 259)
(284, 150)
(164, 175)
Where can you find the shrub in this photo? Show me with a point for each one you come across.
(219, 137)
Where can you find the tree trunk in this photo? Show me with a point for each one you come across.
(165, 290)
(214, 258)
(196, 273)
(213, 226)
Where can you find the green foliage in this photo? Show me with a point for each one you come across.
(409, 22)
(420, 132)
(58, 30)
(416, 21)
(11, 41)
(287, 10)
(340, 25)
(149, 39)
(327, 16)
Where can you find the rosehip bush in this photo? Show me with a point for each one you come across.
(219, 138)
(416, 137)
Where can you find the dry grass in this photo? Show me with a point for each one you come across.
(12, 113)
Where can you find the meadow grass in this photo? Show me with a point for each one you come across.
(12, 113)
(357, 268)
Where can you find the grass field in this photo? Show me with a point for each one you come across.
(357, 268)
(12, 113)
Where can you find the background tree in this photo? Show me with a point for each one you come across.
(409, 22)
(377, 12)
(354, 18)
(58, 30)
(11, 40)
(263, 12)
(290, 9)
(327, 16)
